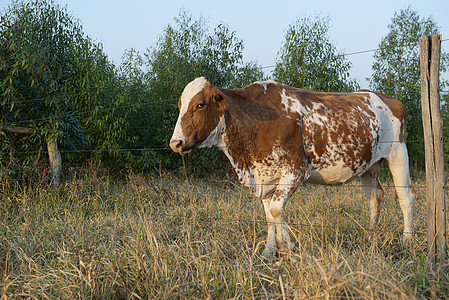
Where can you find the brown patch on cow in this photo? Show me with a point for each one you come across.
(412, 190)
(257, 125)
(339, 127)
(253, 103)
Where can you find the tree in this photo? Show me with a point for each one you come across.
(56, 82)
(309, 60)
(185, 51)
(396, 71)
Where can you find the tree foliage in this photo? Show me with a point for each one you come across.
(445, 117)
(56, 80)
(309, 60)
(396, 71)
(185, 51)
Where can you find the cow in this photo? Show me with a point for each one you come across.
(277, 137)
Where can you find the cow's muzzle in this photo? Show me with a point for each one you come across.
(179, 146)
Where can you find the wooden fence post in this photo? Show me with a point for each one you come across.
(430, 46)
(55, 161)
(53, 152)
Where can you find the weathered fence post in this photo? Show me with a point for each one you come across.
(55, 161)
(53, 152)
(430, 46)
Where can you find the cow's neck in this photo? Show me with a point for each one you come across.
(236, 139)
(238, 144)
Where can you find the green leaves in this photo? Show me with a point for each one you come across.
(396, 71)
(56, 79)
(309, 60)
(185, 51)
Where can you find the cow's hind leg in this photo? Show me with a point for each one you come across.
(373, 191)
(398, 164)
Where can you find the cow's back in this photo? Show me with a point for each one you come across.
(345, 133)
(335, 136)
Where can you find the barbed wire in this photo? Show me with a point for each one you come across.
(144, 104)
(260, 218)
(239, 185)
(48, 97)
(172, 100)
(350, 54)
(140, 104)
(290, 223)
(261, 67)
(267, 147)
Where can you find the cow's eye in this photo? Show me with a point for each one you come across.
(201, 105)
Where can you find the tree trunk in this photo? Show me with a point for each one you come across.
(55, 161)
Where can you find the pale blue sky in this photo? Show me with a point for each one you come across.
(355, 25)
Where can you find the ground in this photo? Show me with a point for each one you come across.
(160, 238)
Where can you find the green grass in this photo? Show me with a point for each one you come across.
(163, 239)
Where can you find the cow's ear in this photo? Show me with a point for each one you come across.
(220, 100)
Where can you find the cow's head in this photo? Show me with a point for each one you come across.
(201, 106)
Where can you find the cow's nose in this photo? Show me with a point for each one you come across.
(176, 145)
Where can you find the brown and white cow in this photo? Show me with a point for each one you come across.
(277, 136)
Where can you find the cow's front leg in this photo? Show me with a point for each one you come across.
(278, 236)
(277, 205)
(270, 246)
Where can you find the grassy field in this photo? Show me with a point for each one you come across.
(161, 238)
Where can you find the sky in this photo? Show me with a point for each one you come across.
(355, 25)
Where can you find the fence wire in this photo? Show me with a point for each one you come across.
(140, 105)
(143, 104)
(260, 148)
(166, 100)
(291, 223)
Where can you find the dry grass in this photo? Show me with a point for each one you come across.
(160, 239)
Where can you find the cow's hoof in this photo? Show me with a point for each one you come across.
(268, 255)
(406, 238)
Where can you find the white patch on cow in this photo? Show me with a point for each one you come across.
(317, 118)
(335, 174)
(189, 92)
(316, 106)
(288, 180)
(178, 134)
(215, 136)
(265, 84)
(291, 104)
(270, 173)
(262, 177)
(391, 126)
